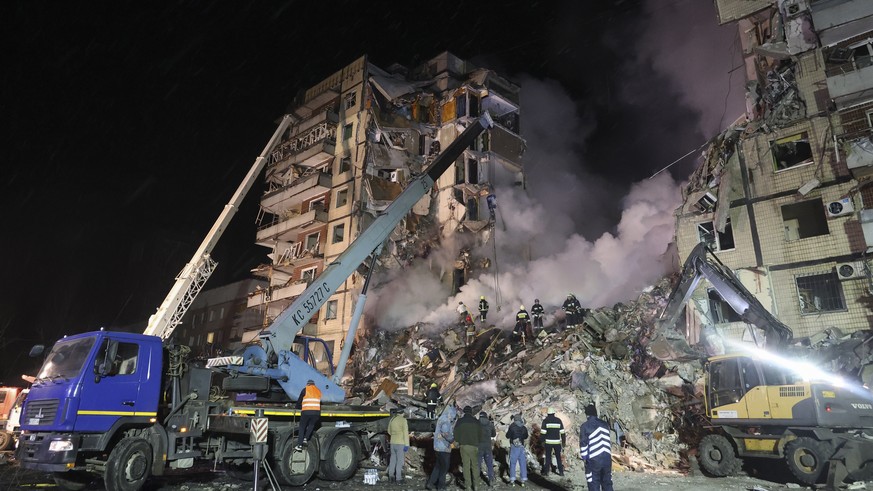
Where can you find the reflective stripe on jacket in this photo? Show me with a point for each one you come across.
(311, 399)
(554, 429)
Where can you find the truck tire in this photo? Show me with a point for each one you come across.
(73, 480)
(6, 440)
(807, 458)
(343, 456)
(297, 468)
(128, 465)
(717, 456)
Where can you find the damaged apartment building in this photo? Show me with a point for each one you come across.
(356, 140)
(784, 196)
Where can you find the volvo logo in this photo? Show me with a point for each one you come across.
(862, 406)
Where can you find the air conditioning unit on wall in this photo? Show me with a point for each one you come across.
(840, 207)
(848, 271)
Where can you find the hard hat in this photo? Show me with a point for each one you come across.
(521, 308)
(551, 410)
(482, 297)
(569, 294)
(433, 385)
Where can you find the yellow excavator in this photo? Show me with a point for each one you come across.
(762, 400)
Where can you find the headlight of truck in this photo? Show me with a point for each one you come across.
(60, 446)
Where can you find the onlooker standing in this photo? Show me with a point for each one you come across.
(554, 441)
(309, 403)
(467, 434)
(595, 448)
(443, 436)
(486, 447)
(398, 430)
(517, 434)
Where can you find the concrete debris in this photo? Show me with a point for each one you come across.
(602, 362)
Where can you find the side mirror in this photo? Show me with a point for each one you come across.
(37, 350)
(104, 368)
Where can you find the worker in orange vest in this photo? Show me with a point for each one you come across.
(309, 404)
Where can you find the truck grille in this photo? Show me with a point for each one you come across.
(792, 391)
(42, 411)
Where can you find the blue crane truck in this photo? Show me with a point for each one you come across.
(125, 406)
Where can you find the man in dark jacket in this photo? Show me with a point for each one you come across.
(467, 435)
(595, 448)
(432, 399)
(483, 309)
(517, 434)
(537, 312)
(522, 325)
(554, 440)
(572, 307)
(486, 451)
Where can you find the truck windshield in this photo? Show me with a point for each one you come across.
(66, 359)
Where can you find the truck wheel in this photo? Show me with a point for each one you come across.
(6, 440)
(717, 456)
(807, 458)
(342, 459)
(297, 468)
(72, 481)
(128, 465)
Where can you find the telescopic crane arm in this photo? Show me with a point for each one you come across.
(669, 344)
(194, 275)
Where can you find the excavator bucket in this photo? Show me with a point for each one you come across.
(671, 346)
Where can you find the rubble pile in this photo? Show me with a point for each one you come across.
(600, 362)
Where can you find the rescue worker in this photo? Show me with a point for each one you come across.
(309, 404)
(462, 311)
(537, 312)
(486, 447)
(433, 398)
(467, 434)
(443, 437)
(517, 434)
(470, 331)
(555, 439)
(595, 448)
(572, 307)
(398, 430)
(522, 325)
(483, 309)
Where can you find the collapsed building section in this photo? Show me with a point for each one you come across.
(783, 196)
(358, 137)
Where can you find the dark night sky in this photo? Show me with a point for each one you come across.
(128, 126)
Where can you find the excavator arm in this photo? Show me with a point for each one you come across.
(290, 371)
(670, 344)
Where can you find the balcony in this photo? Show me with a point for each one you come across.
(278, 294)
(313, 143)
(851, 88)
(288, 229)
(299, 190)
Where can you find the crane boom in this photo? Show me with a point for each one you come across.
(194, 275)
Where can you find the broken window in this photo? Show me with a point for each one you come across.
(820, 293)
(472, 209)
(351, 100)
(472, 171)
(707, 202)
(342, 197)
(461, 106)
(308, 274)
(339, 233)
(725, 387)
(791, 151)
(719, 311)
(347, 131)
(804, 219)
(474, 106)
(717, 241)
(345, 164)
(311, 243)
(460, 170)
(317, 204)
(330, 309)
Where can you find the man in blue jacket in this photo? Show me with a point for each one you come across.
(595, 448)
(443, 436)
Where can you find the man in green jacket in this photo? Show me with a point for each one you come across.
(467, 435)
(398, 430)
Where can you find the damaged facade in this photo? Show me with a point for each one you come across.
(783, 196)
(357, 139)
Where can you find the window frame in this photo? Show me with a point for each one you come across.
(800, 136)
(348, 131)
(834, 280)
(333, 235)
(303, 271)
(328, 312)
(344, 190)
(717, 236)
